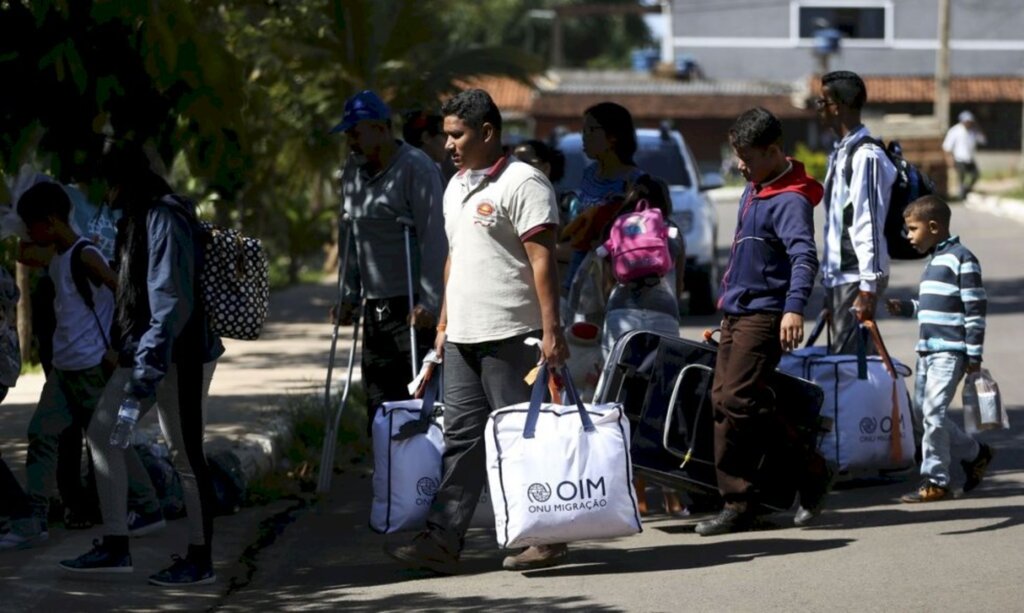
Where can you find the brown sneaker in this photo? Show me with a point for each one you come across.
(425, 551)
(928, 492)
(537, 556)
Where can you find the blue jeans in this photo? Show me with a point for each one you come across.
(936, 377)
(620, 321)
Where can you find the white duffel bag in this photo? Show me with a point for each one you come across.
(866, 397)
(408, 442)
(560, 473)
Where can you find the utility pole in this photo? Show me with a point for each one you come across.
(942, 68)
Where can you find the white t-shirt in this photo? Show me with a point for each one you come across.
(962, 142)
(78, 342)
(491, 294)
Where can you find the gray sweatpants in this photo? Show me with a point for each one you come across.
(182, 427)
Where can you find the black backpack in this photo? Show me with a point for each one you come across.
(910, 185)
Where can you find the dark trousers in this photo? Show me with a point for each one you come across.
(387, 359)
(13, 500)
(744, 405)
(967, 175)
(478, 378)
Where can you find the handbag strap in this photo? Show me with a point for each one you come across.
(823, 322)
(537, 398)
(409, 429)
(896, 438)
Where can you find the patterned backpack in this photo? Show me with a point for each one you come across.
(638, 244)
(235, 281)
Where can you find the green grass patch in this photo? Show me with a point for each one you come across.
(297, 473)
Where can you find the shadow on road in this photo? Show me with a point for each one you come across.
(683, 557)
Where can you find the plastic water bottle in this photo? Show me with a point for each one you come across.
(127, 416)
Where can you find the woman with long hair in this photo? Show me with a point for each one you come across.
(168, 355)
(609, 138)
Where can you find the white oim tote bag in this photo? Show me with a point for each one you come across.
(560, 473)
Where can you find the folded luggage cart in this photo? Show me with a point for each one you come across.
(664, 383)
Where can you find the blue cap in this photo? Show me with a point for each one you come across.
(363, 106)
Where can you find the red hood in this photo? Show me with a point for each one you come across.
(796, 180)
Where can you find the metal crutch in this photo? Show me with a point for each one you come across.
(332, 421)
(407, 224)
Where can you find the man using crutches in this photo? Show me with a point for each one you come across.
(391, 195)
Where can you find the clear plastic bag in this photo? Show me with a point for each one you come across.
(983, 405)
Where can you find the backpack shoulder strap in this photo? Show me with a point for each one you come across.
(852, 149)
(80, 278)
(79, 275)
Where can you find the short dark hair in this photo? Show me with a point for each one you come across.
(617, 122)
(475, 107)
(757, 127)
(929, 208)
(417, 123)
(847, 88)
(547, 154)
(43, 200)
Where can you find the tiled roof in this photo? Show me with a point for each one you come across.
(664, 106)
(510, 95)
(631, 82)
(961, 89)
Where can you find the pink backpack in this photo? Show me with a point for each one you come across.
(638, 244)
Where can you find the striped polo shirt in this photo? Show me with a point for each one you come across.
(951, 302)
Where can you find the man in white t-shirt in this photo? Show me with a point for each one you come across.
(500, 289)
(960, 145)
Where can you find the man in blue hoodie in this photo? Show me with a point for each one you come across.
(763, 295)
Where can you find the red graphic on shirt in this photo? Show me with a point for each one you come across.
(485, 215)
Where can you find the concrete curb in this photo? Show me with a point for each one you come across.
(258, 452)
(1008, 208)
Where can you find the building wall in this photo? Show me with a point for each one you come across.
(748, 39)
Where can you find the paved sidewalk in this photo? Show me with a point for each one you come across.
(248, 397)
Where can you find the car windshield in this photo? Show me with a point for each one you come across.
(658, 157)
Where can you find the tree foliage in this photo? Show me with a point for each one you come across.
(237, 96)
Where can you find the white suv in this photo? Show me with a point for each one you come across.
(664, 154)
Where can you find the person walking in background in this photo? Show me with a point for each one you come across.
(764, 293)
(855, 261)
(950, 309)
(500, 289)
(961, 146)
(383, 180)
(168, 356)
(83, 357)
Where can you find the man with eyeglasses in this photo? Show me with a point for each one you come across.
(855, 263)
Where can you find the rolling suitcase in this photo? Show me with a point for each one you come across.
(664, 385)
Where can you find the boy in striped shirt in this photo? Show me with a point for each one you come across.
(950, 309)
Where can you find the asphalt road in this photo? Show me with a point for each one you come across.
(868, 552)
